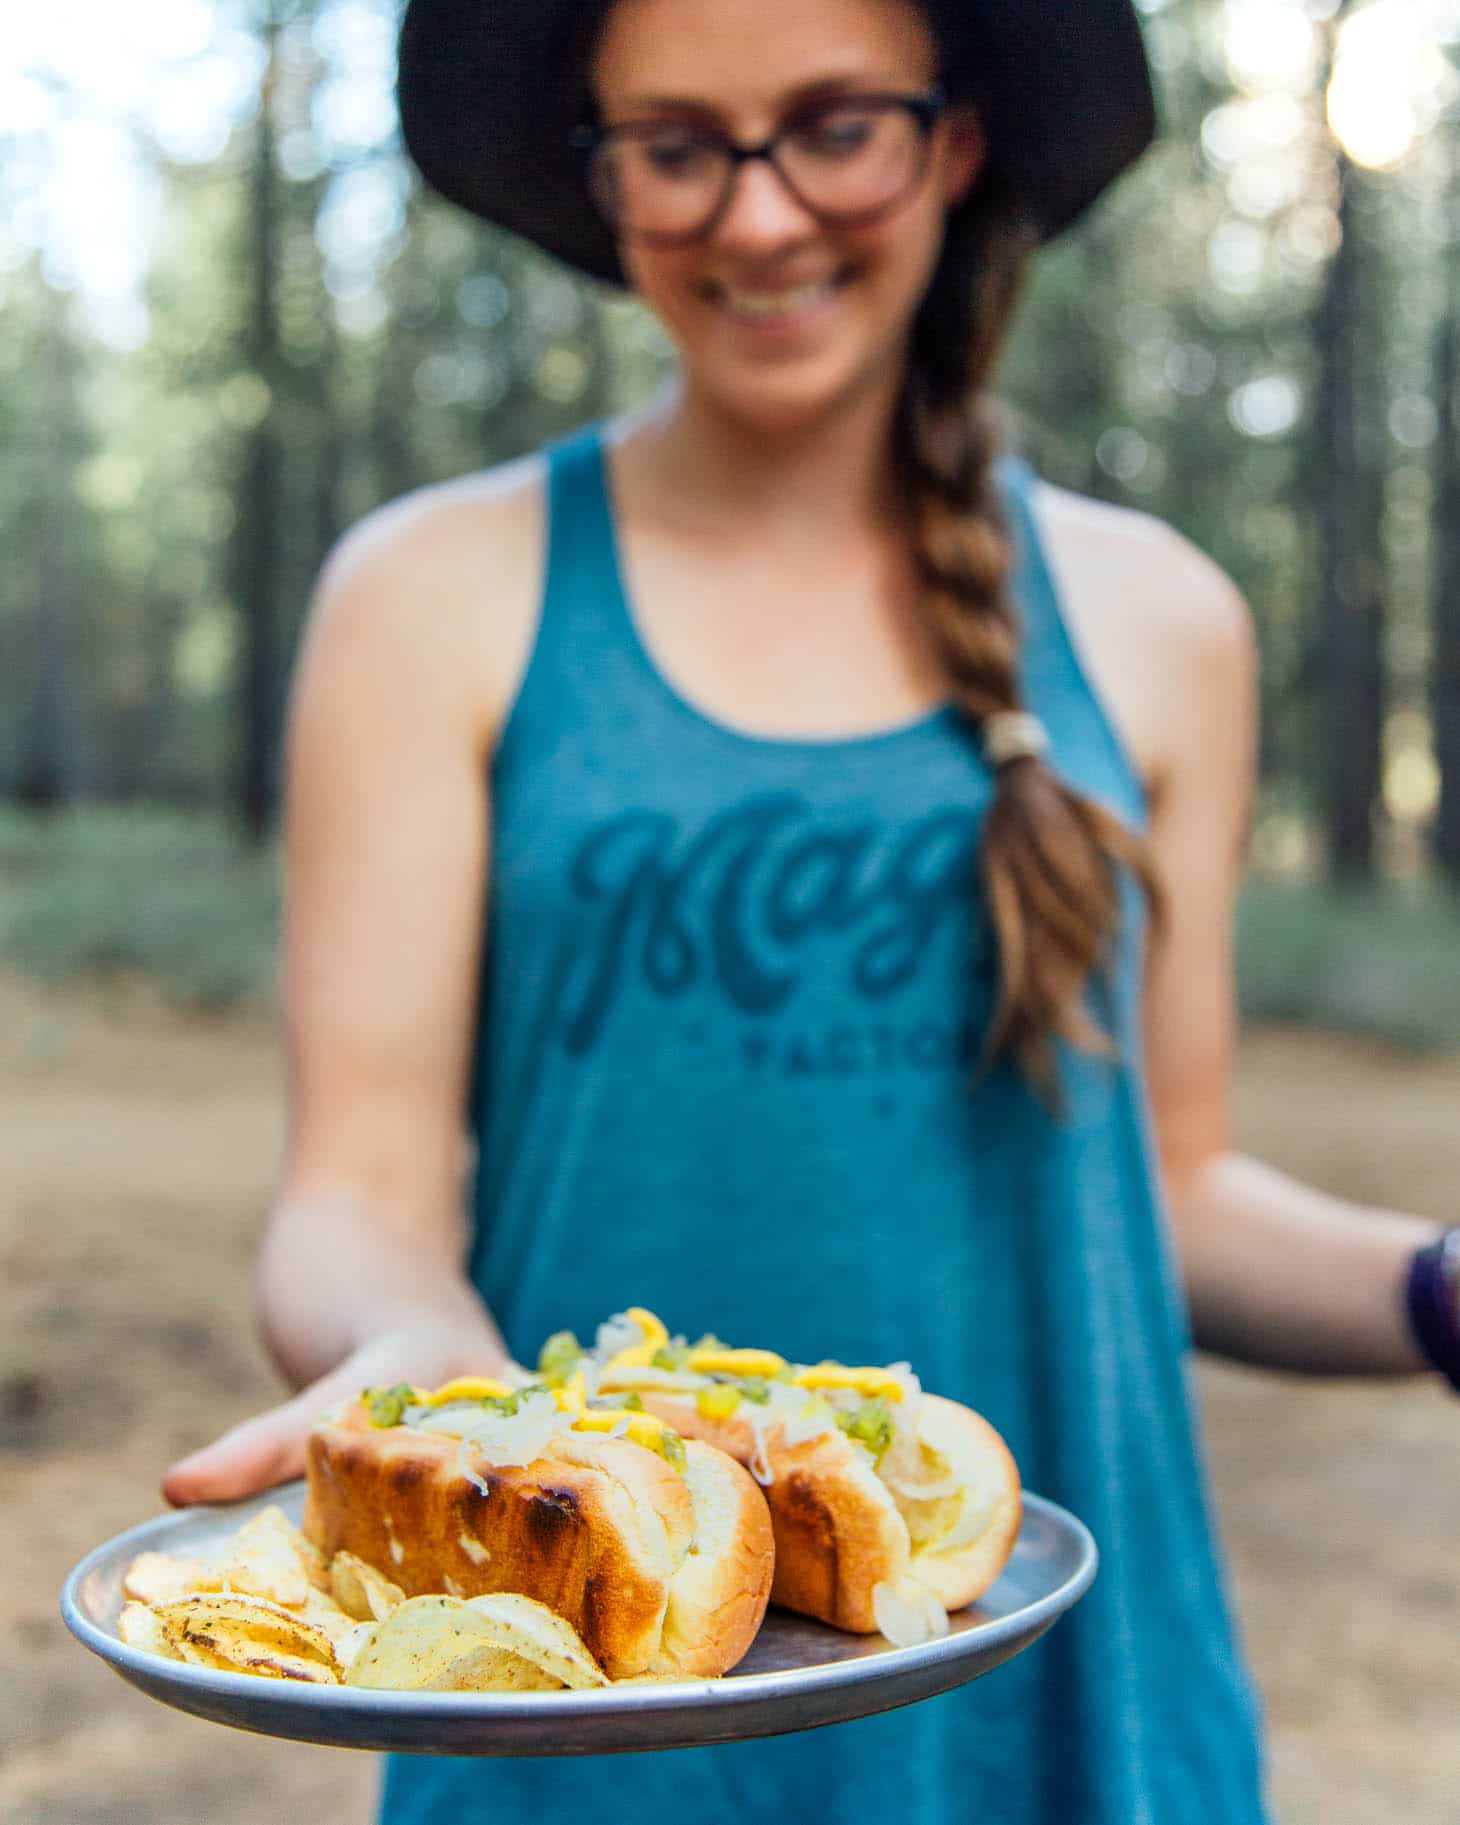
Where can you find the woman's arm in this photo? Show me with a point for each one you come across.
(1277, 1273)
(397, 698)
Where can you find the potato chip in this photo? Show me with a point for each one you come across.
(268, 1559)
(345, 1634)
(248, 1635)
(361, 1591)
(440, 1644)
(316, 1565)
(139, 1628)
(164, 1577)
(540, 1635)
(489, 1669)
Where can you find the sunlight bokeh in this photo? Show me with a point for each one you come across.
(1391, 80)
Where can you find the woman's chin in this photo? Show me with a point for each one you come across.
(780, 400)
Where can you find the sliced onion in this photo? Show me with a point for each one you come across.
(908, 1613)
(673, 1381)
(464, 1465)
(509, 1440)
(969, 1526)
(813, 1421)
(912, 1388)
(760, 1464)
(903, 1458)
(617, 1333)
(455, 1419)
(932, 1491)
(801, 1415)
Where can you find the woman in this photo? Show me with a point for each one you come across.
(832, 765)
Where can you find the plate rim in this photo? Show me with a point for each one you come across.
(1030, 1620)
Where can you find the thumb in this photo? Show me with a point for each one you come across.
(261, 1452)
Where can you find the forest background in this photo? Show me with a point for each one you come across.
(231, 323)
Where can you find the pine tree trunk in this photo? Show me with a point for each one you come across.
(255, 549)
(1351, 575)
(44, 782)
(1445, 577)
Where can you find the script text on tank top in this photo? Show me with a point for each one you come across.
(745, 902)
(863, 1051)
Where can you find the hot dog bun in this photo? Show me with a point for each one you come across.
(841, 1530)
(659, 1571)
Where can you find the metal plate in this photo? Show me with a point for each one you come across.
(797, 1675)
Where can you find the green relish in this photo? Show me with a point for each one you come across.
(387, 1406)
(870, 1424)
(558, 1358)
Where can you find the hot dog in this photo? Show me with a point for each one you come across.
(657, 1550)
(890, 1507)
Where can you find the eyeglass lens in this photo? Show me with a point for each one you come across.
(668, 179)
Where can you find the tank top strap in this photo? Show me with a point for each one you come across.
(585, 665)
(581, 579)
(1086, 747)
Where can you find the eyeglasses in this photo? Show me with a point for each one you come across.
(847, 161)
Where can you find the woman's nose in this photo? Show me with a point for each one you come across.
(762, 211)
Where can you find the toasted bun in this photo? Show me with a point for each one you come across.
(599, 1529)
(839, 1529)
(992, 1504)
(718, 1597)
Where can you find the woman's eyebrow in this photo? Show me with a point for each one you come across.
(821, 88)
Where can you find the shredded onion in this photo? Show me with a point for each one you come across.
(801, 1415)
(676, 1381)
(617, 1333)
(902, 1462)
(912, 1388)
(792, 1414)
(759, 1465)
(908, 1613)
(454, 1419)
(931, 1491)
(464, 1465)
(505, 1439)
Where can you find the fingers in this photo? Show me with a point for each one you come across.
(269, 1449)
(262, 1451)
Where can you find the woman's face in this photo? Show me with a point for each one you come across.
(780, 317)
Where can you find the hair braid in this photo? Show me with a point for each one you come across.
(1050, 858)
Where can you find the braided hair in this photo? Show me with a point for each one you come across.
(1050, 858)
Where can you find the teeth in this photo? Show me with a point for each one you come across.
(779, 303)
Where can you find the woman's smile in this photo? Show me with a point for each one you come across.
(778, 310)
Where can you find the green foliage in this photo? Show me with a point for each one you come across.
(165, 894)
(174, 897)
(1168, 357)
(1381, 962)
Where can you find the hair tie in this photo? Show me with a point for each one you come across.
(1014, 735)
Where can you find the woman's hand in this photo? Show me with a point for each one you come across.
(269, 1448)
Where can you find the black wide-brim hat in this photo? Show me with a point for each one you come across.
(491, 91)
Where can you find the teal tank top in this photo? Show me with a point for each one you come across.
(734, 995)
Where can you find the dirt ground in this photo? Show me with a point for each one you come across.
(136, 1150)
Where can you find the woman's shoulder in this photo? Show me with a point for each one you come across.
(1162, 629)
(445, 578)
(1139, 568)
(443, 532)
